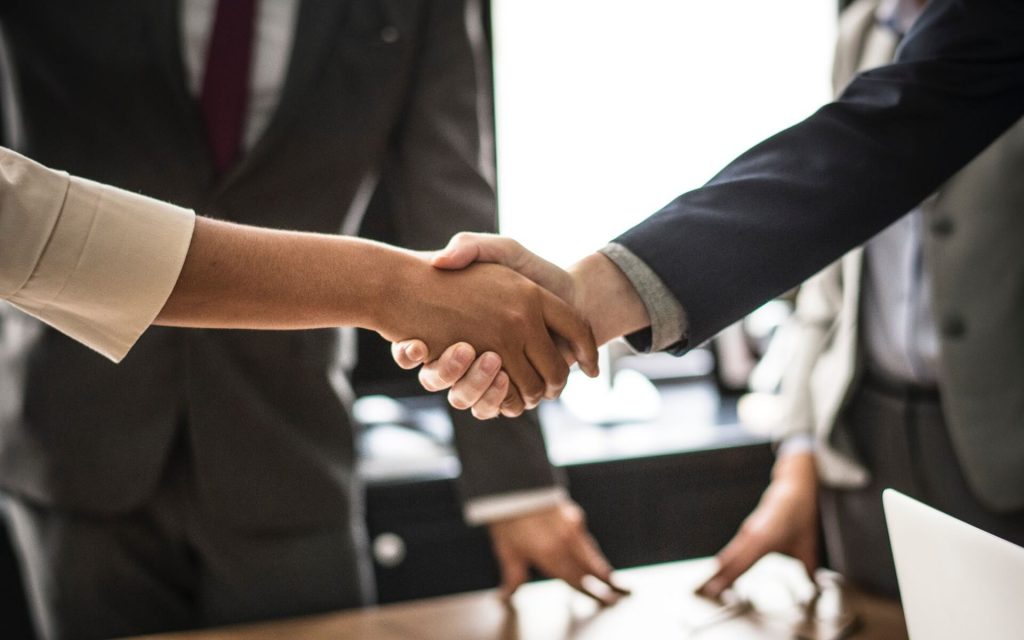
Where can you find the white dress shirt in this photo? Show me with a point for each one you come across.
(901, 340)
(271, 51)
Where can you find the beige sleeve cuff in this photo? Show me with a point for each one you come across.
(108, 265)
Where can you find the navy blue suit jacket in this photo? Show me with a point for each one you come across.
(797, 201)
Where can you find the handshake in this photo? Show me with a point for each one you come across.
(499, 326)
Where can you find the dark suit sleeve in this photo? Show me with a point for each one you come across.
(440, 172)
(792, 204)
(439, 181)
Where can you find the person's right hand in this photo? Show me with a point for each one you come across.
(494, 309)
(785, 521)
(594, 286)
(480, 383)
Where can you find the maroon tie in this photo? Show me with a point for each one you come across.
(226, 83)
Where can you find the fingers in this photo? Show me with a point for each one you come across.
(564, 321)
(453, 364)
(490, 403)
(480, 385)
(555, 541)
(470, 388)
(588, 555)
(523, 375)
(513, 405)
(545, 360)
(578, 561)
(567, 568)
(514, 574)
(548, 362)
(409, 354)
(733, 561)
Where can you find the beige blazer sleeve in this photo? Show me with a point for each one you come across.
(92, 261)
(818, 308)
(822, 298)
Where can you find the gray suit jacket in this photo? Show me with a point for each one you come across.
(366, 122)
(972, 247)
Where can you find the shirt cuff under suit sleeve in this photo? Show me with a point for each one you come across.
(668, 319)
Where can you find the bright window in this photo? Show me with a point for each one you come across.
(607, 109)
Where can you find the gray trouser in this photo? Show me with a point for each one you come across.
(901, 437)
(167, 566)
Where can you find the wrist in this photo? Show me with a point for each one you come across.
(606, 298)
(795, 470)
(391, 282)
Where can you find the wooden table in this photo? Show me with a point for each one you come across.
(662, 606)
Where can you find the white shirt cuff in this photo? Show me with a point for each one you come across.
(502, 506)
(801, 443)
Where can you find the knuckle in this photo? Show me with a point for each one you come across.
(535, 393)
(448, 372)
(561, 374)
(499, 388)
(575, 515)
(517, 317)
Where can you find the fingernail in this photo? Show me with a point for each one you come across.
(712, 589)
(414, 351)
(489, 363)
(462, 355)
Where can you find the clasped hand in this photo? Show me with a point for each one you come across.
(530, 335)
(592, 291)
(544, 336)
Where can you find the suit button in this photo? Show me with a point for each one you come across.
(389, 34)
(952, 326)
(389, 549)
(942, 227)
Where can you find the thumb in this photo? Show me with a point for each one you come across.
(466, 248)
(409, 354)
(462, 250)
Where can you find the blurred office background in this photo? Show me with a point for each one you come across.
(604, 112)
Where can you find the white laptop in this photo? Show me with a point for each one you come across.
(956, 580)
